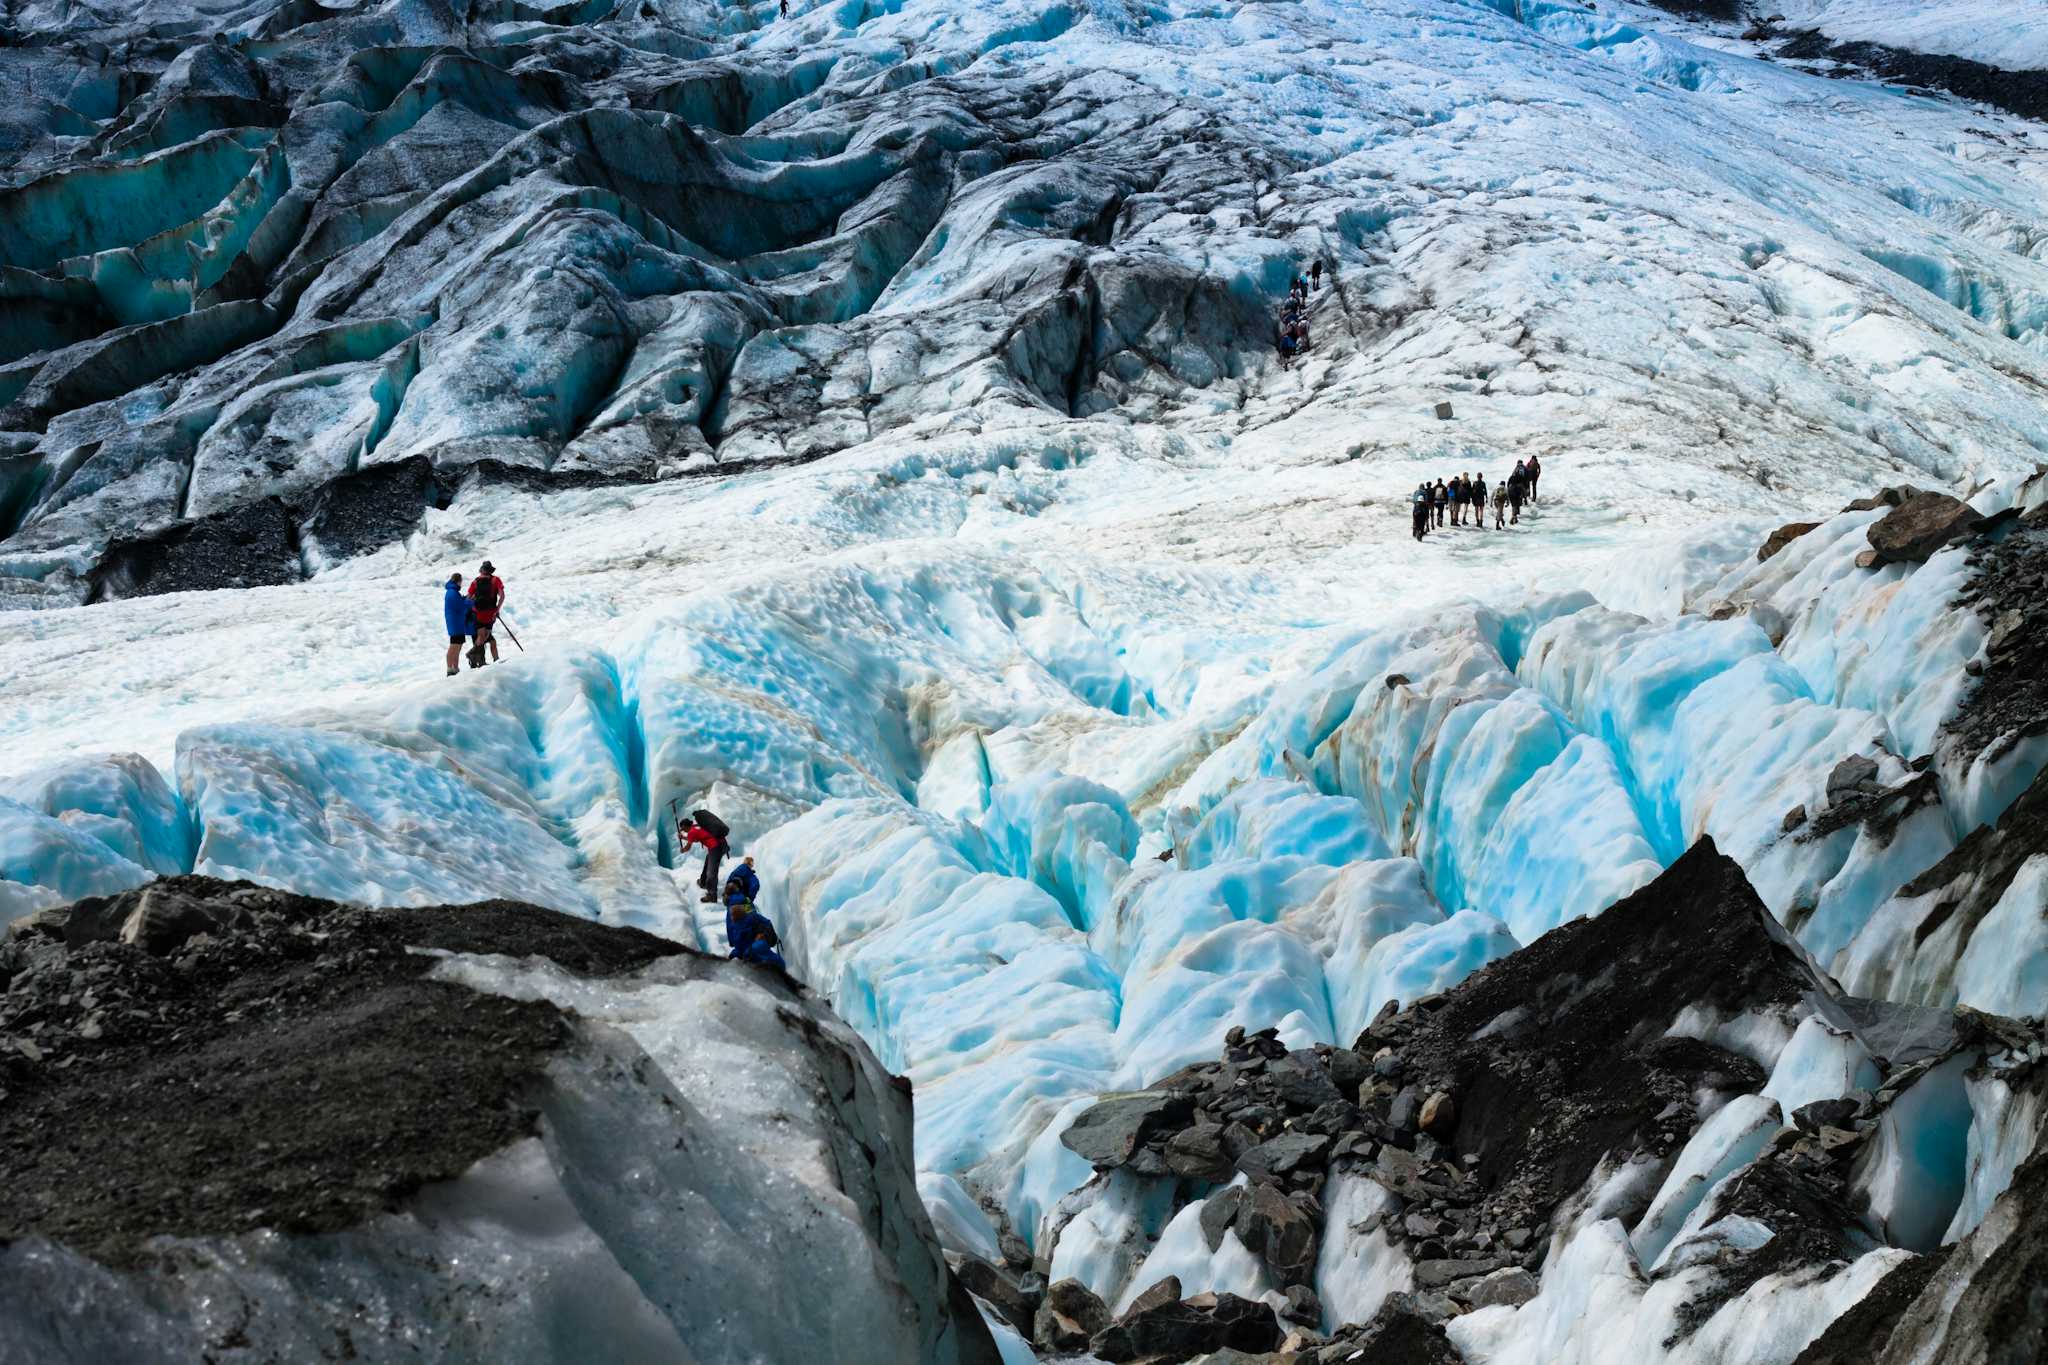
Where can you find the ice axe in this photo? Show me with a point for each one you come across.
(507, 624)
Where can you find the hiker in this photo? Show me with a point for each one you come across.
(1535, 472)
(1442, 499)
(460, 619)
(712, 832)
(1284, 343)
(1315, 273)
(785, 9)
(1518, 488)
(486, 600)
(745, 879)
(1500, 507)
(1476, 495)
(1457, 500)
(1465, 494)
(1300, 338)
(748, 934)
(1421, 500)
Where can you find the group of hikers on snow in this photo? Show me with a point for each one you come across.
(1465, 496)
(472, 617)
(748, 934)
(1292, 334)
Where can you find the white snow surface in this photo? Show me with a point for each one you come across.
(2012, 34)
(958, 688)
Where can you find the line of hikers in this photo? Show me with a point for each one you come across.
(472, 617)
(1465, 496)
(1291, 336)
(748, 934)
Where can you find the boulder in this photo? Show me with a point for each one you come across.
(1198, 1153)
(1854, 774)
(1299, 1080)
(1189, 1328)
(1280, 1157)
(1070, 1315)
(1163, 1292)
(1885, 497)
(1783, 536)
(1278, 1232)
(999, 1292)
(1404, 1331)
(1811, 1118)
(1108, 1134)
(164, 919)
(1347, 1070)
(1920, 525)
(1439, 1115)
(1438, 1274)
(1511, 1286)
(1219, 1214)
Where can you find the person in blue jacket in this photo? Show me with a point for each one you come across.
(747, 930)
(460, 618)
(745, 879)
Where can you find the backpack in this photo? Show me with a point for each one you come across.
(710, 823)
(486, 590)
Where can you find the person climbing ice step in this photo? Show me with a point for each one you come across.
(713, 833)
(749, 936)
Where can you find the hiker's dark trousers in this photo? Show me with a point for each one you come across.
(708, 879)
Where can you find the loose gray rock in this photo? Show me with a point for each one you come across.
(1280, 1157)
(1108, 1134)
(1275, 1230)
(1511, 1286)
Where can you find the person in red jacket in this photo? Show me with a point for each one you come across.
(487, 599)
(715, 845)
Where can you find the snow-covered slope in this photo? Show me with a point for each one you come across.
(874, 417)
(2012, 36)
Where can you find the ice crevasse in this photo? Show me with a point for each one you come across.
(1032, 856)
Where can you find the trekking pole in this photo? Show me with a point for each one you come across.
(507, 624)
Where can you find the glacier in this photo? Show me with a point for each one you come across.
(874, 416)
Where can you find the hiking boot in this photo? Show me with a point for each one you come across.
(708, 898)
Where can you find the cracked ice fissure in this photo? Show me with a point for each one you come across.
(914, 824)
(1008, 561)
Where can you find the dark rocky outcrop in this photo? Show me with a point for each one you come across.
(1070, 1315)
(1572, 1064)
(277, 540)
(283, 1025)
(2017, 92)
(255, 545)
(2008, 589)
(1167, 1330)
(290, 1089)
(370, 508)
